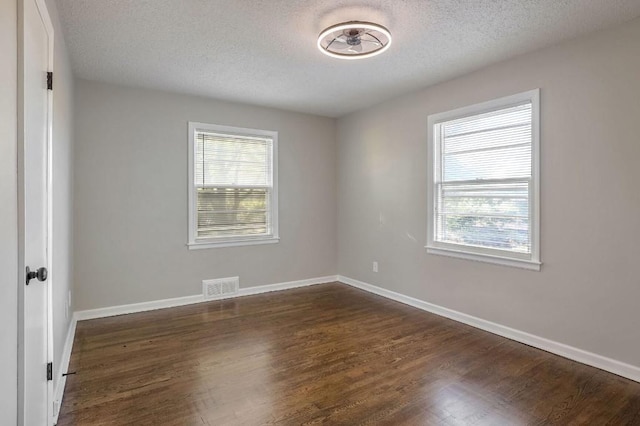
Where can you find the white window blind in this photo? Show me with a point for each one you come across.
(484, 183)
(233, 182)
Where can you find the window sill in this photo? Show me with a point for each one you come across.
(531, 265)
(231, 243)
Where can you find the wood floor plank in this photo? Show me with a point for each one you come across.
(325, 354)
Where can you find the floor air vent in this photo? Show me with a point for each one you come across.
(220, 288)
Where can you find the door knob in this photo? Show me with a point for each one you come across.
(40, 274)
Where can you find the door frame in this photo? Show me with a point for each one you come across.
(46, 19)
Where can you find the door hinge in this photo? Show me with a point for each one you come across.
(49, 80)
(50, 371)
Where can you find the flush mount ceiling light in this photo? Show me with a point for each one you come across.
(354, 40)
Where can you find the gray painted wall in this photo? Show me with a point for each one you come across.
(588, 290)
(8, 213)
(62, 267)
(131, 197)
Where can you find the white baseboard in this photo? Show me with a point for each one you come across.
(611, 365)
(63, 367)
(198, 298)
(137, 307)
(285, 286)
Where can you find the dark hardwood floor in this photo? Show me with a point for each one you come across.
(327, 354)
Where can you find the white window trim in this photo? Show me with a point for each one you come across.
(201, 243)
(499, 257)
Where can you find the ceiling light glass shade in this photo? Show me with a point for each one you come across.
(354, 40)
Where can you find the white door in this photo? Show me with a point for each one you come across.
(35, 165)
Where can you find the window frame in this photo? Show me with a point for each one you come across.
(195, 243)
(495, 256)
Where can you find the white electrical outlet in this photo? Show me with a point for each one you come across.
(375, 266)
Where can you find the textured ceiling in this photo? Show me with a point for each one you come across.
(263, 52)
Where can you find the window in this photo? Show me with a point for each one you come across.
(484, 182)
(233, 193)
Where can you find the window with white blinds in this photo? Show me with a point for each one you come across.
(233, 186)
(484, 185)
